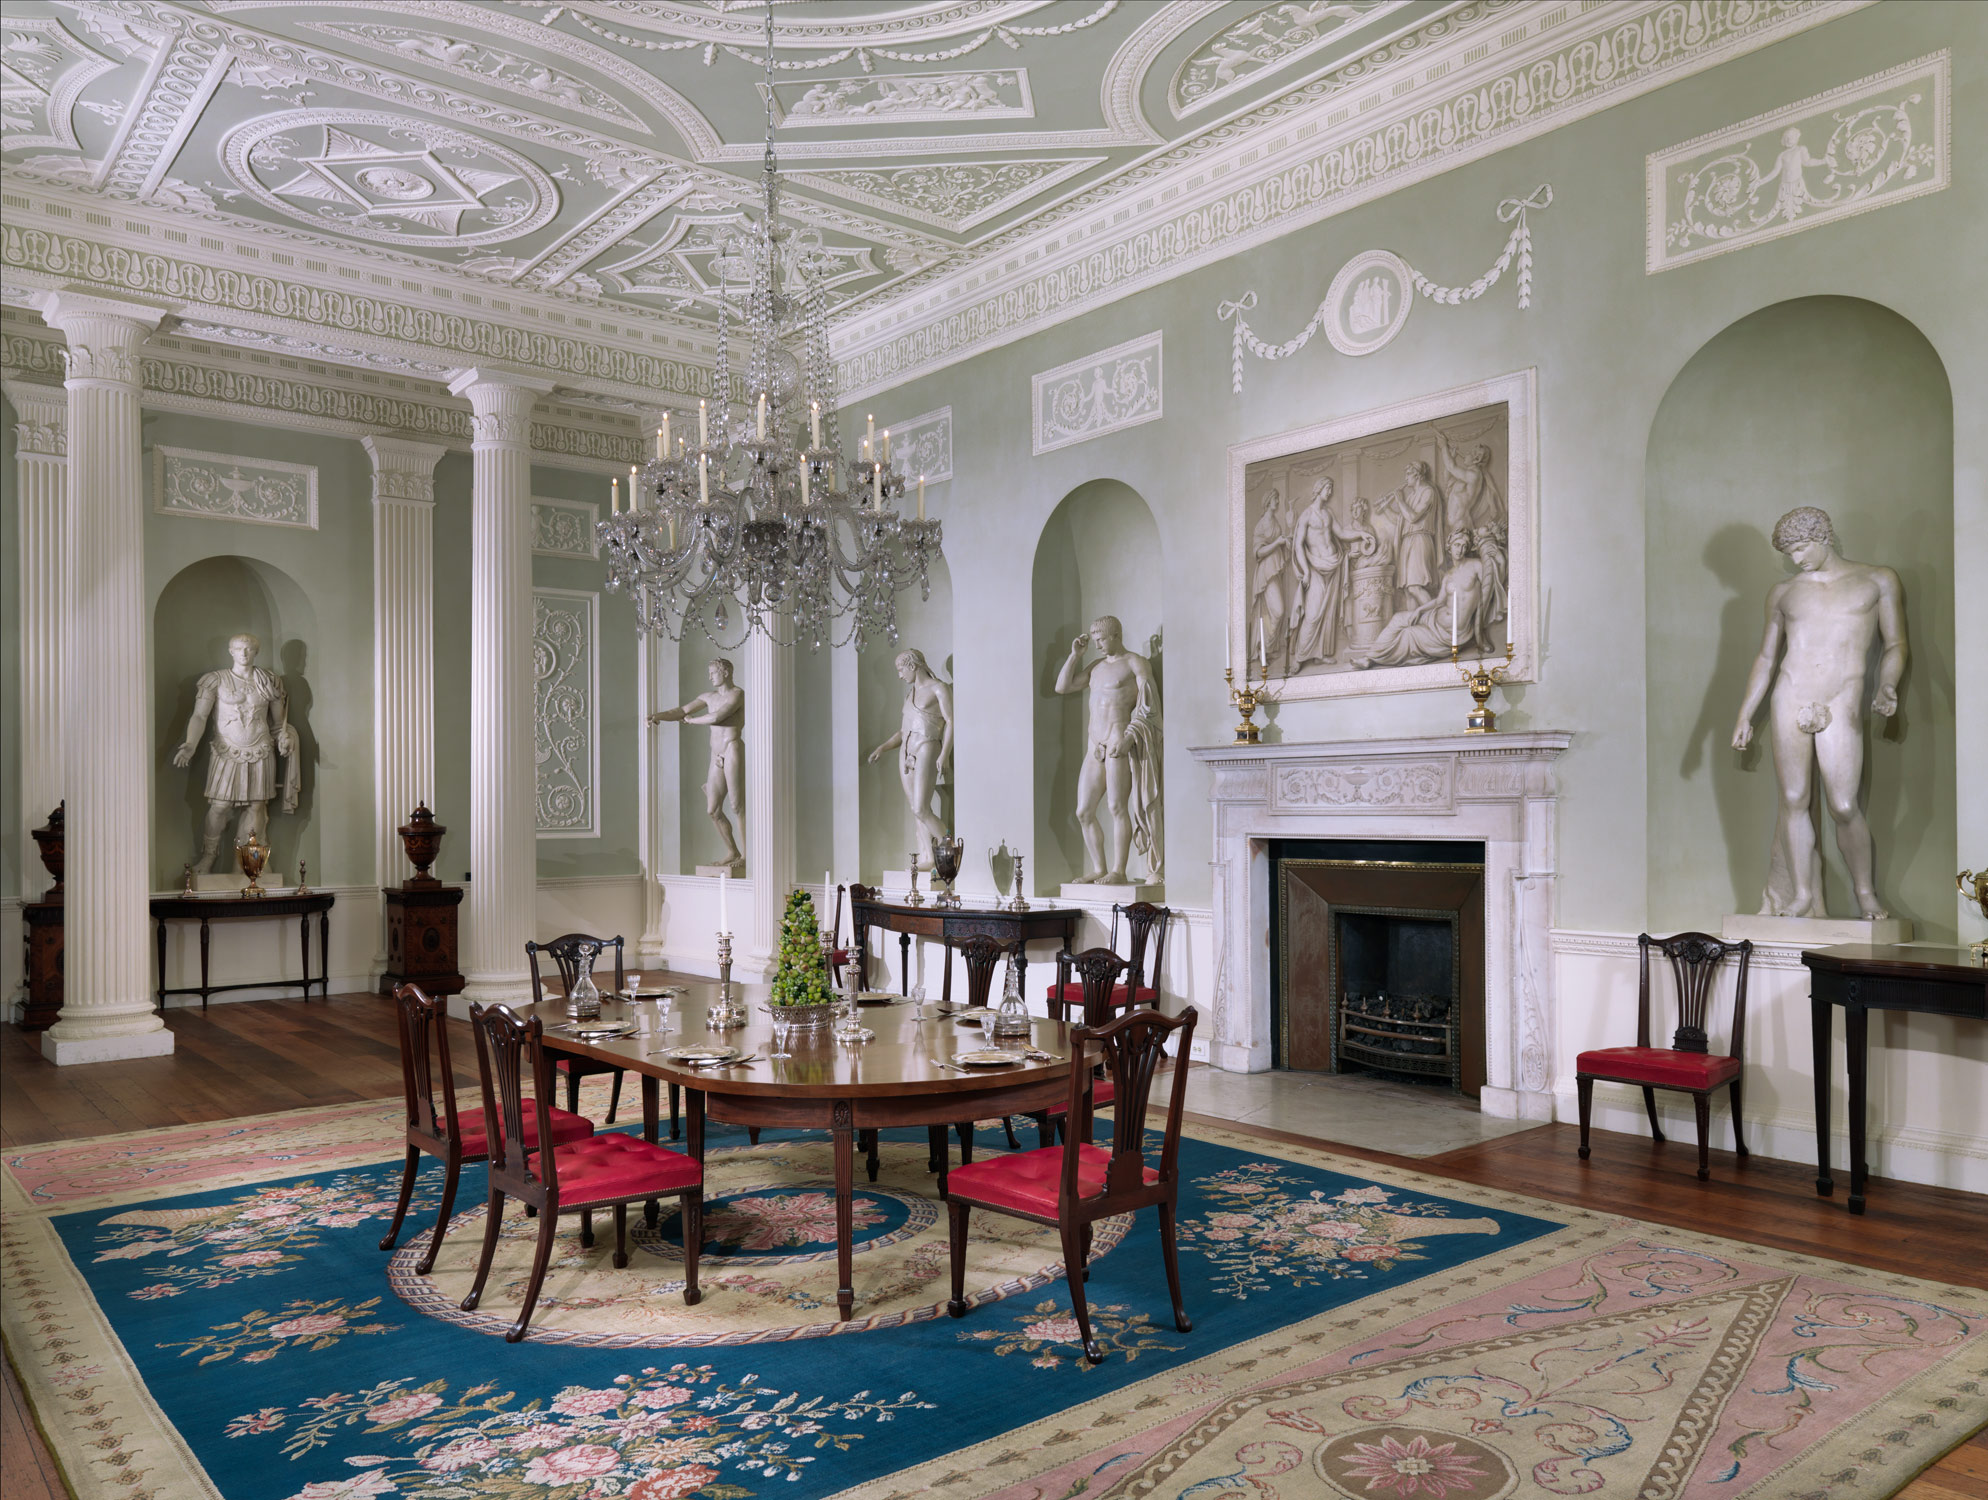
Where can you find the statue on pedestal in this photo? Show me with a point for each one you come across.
(1829, 614)
(1122, 744)
(925, 737)
(723, 710)
(251, 713)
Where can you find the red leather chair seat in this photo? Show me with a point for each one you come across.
(565, 1127)
(1073, 994)
(1659, 1066)
(1027, 1181)
(1103, 1091)
(604, 1168)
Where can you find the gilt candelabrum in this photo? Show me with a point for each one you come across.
(1480, 679)
(1246, 698)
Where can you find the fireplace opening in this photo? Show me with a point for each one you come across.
(1378, 961)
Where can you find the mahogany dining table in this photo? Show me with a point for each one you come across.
(898, 1079)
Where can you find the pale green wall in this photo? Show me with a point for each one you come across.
(1606, 340)
(1825, 401)
(814, 787)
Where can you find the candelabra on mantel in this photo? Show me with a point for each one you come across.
(1246, 698)
(1480, 680)
(766, 523)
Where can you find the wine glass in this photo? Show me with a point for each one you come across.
(920, 1007)
(783, 1027)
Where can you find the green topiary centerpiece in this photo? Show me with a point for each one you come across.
(800, 979)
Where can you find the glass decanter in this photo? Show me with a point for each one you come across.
(583, 1001)
(1011, 1017)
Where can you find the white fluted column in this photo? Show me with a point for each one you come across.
(769, 809)
(660, 835)
(41, 469)
(403, 645)
(107, 732)
(503, 833)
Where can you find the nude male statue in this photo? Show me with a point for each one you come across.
(723, 709)
(251, 713)
(925, 735)
(1122, 745)
(1829, 615)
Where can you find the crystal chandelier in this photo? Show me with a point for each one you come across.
(764, 524)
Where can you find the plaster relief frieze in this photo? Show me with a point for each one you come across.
(629, 212)
(384, 177)
(1384, 786)
(954, 196)
(922, 447)
(531, 77)
(43, 69)
(904, 98)
(182, 78)
(1869, 144)
(564, 528)
(1104, 392)
(227, 487)
(1264, 40)
(565, 729)
(311, 348)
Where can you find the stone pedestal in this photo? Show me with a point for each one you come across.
(107, 723)
(421, 938)
(712, 872)
(1816, 932)
(1075, 894)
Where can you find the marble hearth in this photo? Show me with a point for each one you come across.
(1499, 789)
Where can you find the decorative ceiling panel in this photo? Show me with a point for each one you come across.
(563, 174)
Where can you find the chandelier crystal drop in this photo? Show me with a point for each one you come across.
(762, 523)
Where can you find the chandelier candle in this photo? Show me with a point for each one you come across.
(614, 496)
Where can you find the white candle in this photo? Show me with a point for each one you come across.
(703, 479)
(1229, 653)
(614, 495)
(827, 890)
(662, 444)
(666, 436)
(724, 918)
(634, 493)
(1262, 645)
(877, 485)
(814, 422)
(806, 470)
(886, 445)
(703, 429)
(1452, 617)
(921, 497)
(760, 430)
(870, 432)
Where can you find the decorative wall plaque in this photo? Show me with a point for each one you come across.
(566, 725)
(1104, 392)
(228, 487)
(923, 446)
(564, 528)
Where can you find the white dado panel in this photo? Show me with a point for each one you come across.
(1497, 789)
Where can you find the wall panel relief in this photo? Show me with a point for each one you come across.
(1104, 392)
(225, 487)
(1363, 550)
(1868, 144)
(566, 725)
(923, 446)
(564, 528)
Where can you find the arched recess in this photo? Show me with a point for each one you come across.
(889, 834)
(1099, 554)
(1828, 401)
(198, 610)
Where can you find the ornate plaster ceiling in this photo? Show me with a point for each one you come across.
(568, 170)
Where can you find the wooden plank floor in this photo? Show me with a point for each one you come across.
(259, 1056)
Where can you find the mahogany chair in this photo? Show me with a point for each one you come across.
(1097, 992)
(1687, 1065)
(602, 1171)
(452, 1137)
(1145, 924)
(566, 953)
(1078, 1183)
(981, 954)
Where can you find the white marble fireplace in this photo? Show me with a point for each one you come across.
(1498, 789)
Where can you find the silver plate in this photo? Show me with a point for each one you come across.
(990, 1057)
(701, 1052)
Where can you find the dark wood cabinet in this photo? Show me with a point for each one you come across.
(43, 921)
(421, 939)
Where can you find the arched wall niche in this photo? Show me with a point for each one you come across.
(889, 834)
(198, 611)
(1829, 401)
(1098, 554)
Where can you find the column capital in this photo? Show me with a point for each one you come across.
(403, 469)
(41, 428)
(103, 334)
(500, 402)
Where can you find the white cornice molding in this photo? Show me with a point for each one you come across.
(1354, 135)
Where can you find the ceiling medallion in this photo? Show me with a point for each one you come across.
(390, 178)
(765, 525)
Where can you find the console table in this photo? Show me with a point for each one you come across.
(207, 909)
(951, 923)
(1931, 980)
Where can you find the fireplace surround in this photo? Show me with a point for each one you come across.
(1495, 789)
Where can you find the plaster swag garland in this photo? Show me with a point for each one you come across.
(1370, 323)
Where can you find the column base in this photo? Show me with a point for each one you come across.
(96, 1049)
(500, 989)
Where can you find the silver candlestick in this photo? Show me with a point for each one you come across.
(1020, 901)
(727, 1012)
(914, 899)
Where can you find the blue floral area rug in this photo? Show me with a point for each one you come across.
(205, 1312)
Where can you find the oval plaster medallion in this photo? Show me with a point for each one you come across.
(1368, 302)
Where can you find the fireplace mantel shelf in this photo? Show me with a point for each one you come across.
(1510, 742)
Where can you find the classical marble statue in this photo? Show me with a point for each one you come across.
(723, 710)
(1829, 615)
(251, 713)
(925, 737)
(1320, 560)
(1122, 744)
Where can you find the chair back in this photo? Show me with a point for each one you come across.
(508, 1049)
(1144, 923)
(1695, 958)
(1097, 970)
(1134, 1046)
(424, 1058)
(981, 953)
(567, 953)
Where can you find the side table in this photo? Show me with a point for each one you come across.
(206, 909)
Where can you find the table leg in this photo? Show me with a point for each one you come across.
(161, 925)
(324, 956)
(844, 1145)
(693, 1125)
(652, 1109)
(1821, 1023)
(203, 963)
(904, 963)
(304, 933)
(1856, 1039)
